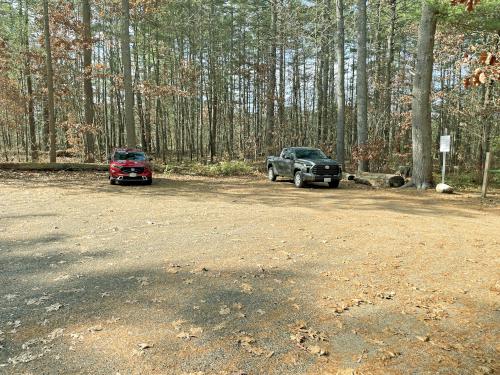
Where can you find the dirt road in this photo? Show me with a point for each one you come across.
(244, 276)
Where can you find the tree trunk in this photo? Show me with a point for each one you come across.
(421, 106)
(29, 86)
(87, 83)
(50, 83)
(127, 76)
(340, 86)
(387, 89)
(271, 84)
(362, 87)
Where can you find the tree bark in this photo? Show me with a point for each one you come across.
(387, 89)
(29, 87)
(50, 83)
(421, 106)
(87, 83)
(127, 76)
(362, 86)
(271, 84)
(340, 86)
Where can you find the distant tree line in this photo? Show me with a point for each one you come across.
(236, 79)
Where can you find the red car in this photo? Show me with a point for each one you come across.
(129, 165)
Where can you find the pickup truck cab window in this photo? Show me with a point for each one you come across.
(310, 154)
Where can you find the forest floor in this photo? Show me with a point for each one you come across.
(197, 275)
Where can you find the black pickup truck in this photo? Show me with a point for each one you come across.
(304, 164)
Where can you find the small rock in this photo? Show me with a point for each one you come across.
(443, 188)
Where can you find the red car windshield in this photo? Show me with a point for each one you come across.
(134, 156)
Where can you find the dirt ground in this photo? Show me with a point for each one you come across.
(244, 276)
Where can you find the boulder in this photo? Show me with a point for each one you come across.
(443, 188)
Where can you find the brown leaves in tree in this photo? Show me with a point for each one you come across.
(469, 4)
(488, 71)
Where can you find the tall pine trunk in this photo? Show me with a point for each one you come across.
(29, 87)
(362, 87)
(50, 83)
(127, 76)
(271, 84)
(387, 88)
(87, 83)
(421, 106)
(340, 86)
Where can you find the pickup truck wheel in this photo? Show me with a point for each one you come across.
(334, 184)
(270, 174)
(111, 181)
(298, 180)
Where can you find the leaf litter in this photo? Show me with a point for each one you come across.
(308, 339)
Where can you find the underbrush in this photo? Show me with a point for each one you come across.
(469, 180)
(223, 168)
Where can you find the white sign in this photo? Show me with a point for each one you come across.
(445, 143)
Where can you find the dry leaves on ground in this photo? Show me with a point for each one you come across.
(304, 337)
(248, 343)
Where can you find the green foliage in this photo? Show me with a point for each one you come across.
(224, 168)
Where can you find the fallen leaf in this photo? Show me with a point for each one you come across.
(224, 310)
(315, 349)
(183, 335)
(62, 277)
(423, 338)
(58, 332)
(143, 281)
(195, 331)
(96, 328)
(37, 301)
(386, 295)
(54, 307)
(246, 288)
(220, 326)
(177, 324)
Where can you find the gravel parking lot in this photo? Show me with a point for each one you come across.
(198, 275)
